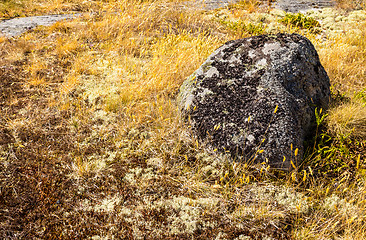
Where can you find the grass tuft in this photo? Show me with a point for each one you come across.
(300, 20)
(349, 119)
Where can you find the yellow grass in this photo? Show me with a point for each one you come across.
(347, 72)
(23, 8)
(351, 4)
(98, 143)
(349, 119)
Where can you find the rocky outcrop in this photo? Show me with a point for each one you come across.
(303, 5)
(255, 98)
(16, 26)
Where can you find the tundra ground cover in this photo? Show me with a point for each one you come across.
(91, 145)
(24, 8)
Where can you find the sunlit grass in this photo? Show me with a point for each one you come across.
(24, 8)
(349, 5)
(349, 119)
(347, 72)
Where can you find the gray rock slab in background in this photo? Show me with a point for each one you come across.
(16, 26)
(301, 5)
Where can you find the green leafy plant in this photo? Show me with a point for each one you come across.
(300, 20)
(244, 27)
(361, 95)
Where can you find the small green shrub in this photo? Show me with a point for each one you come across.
(361, 95)
(241, 27)
(300, 20)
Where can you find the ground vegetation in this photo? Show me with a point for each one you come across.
(92, 146)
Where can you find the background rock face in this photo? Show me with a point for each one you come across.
(231, 99)
(16, 26)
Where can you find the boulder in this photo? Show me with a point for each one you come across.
(255, 98)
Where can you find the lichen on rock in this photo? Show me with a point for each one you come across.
(255, 98)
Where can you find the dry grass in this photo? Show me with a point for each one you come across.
(349, 119)
(24, 8)
(351, 5)
(91, 144)
(347, 72)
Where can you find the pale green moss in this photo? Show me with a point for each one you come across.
(155, 162)
(243, 237)
(97, 237)
(221, 236)
(333, 21)
(268, 199)
(212, 166)
(140, 176)
(107, 204)
(336, 204)
(189, 213)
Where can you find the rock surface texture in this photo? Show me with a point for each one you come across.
(302, 5)
(254, 98)
(16, 26)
